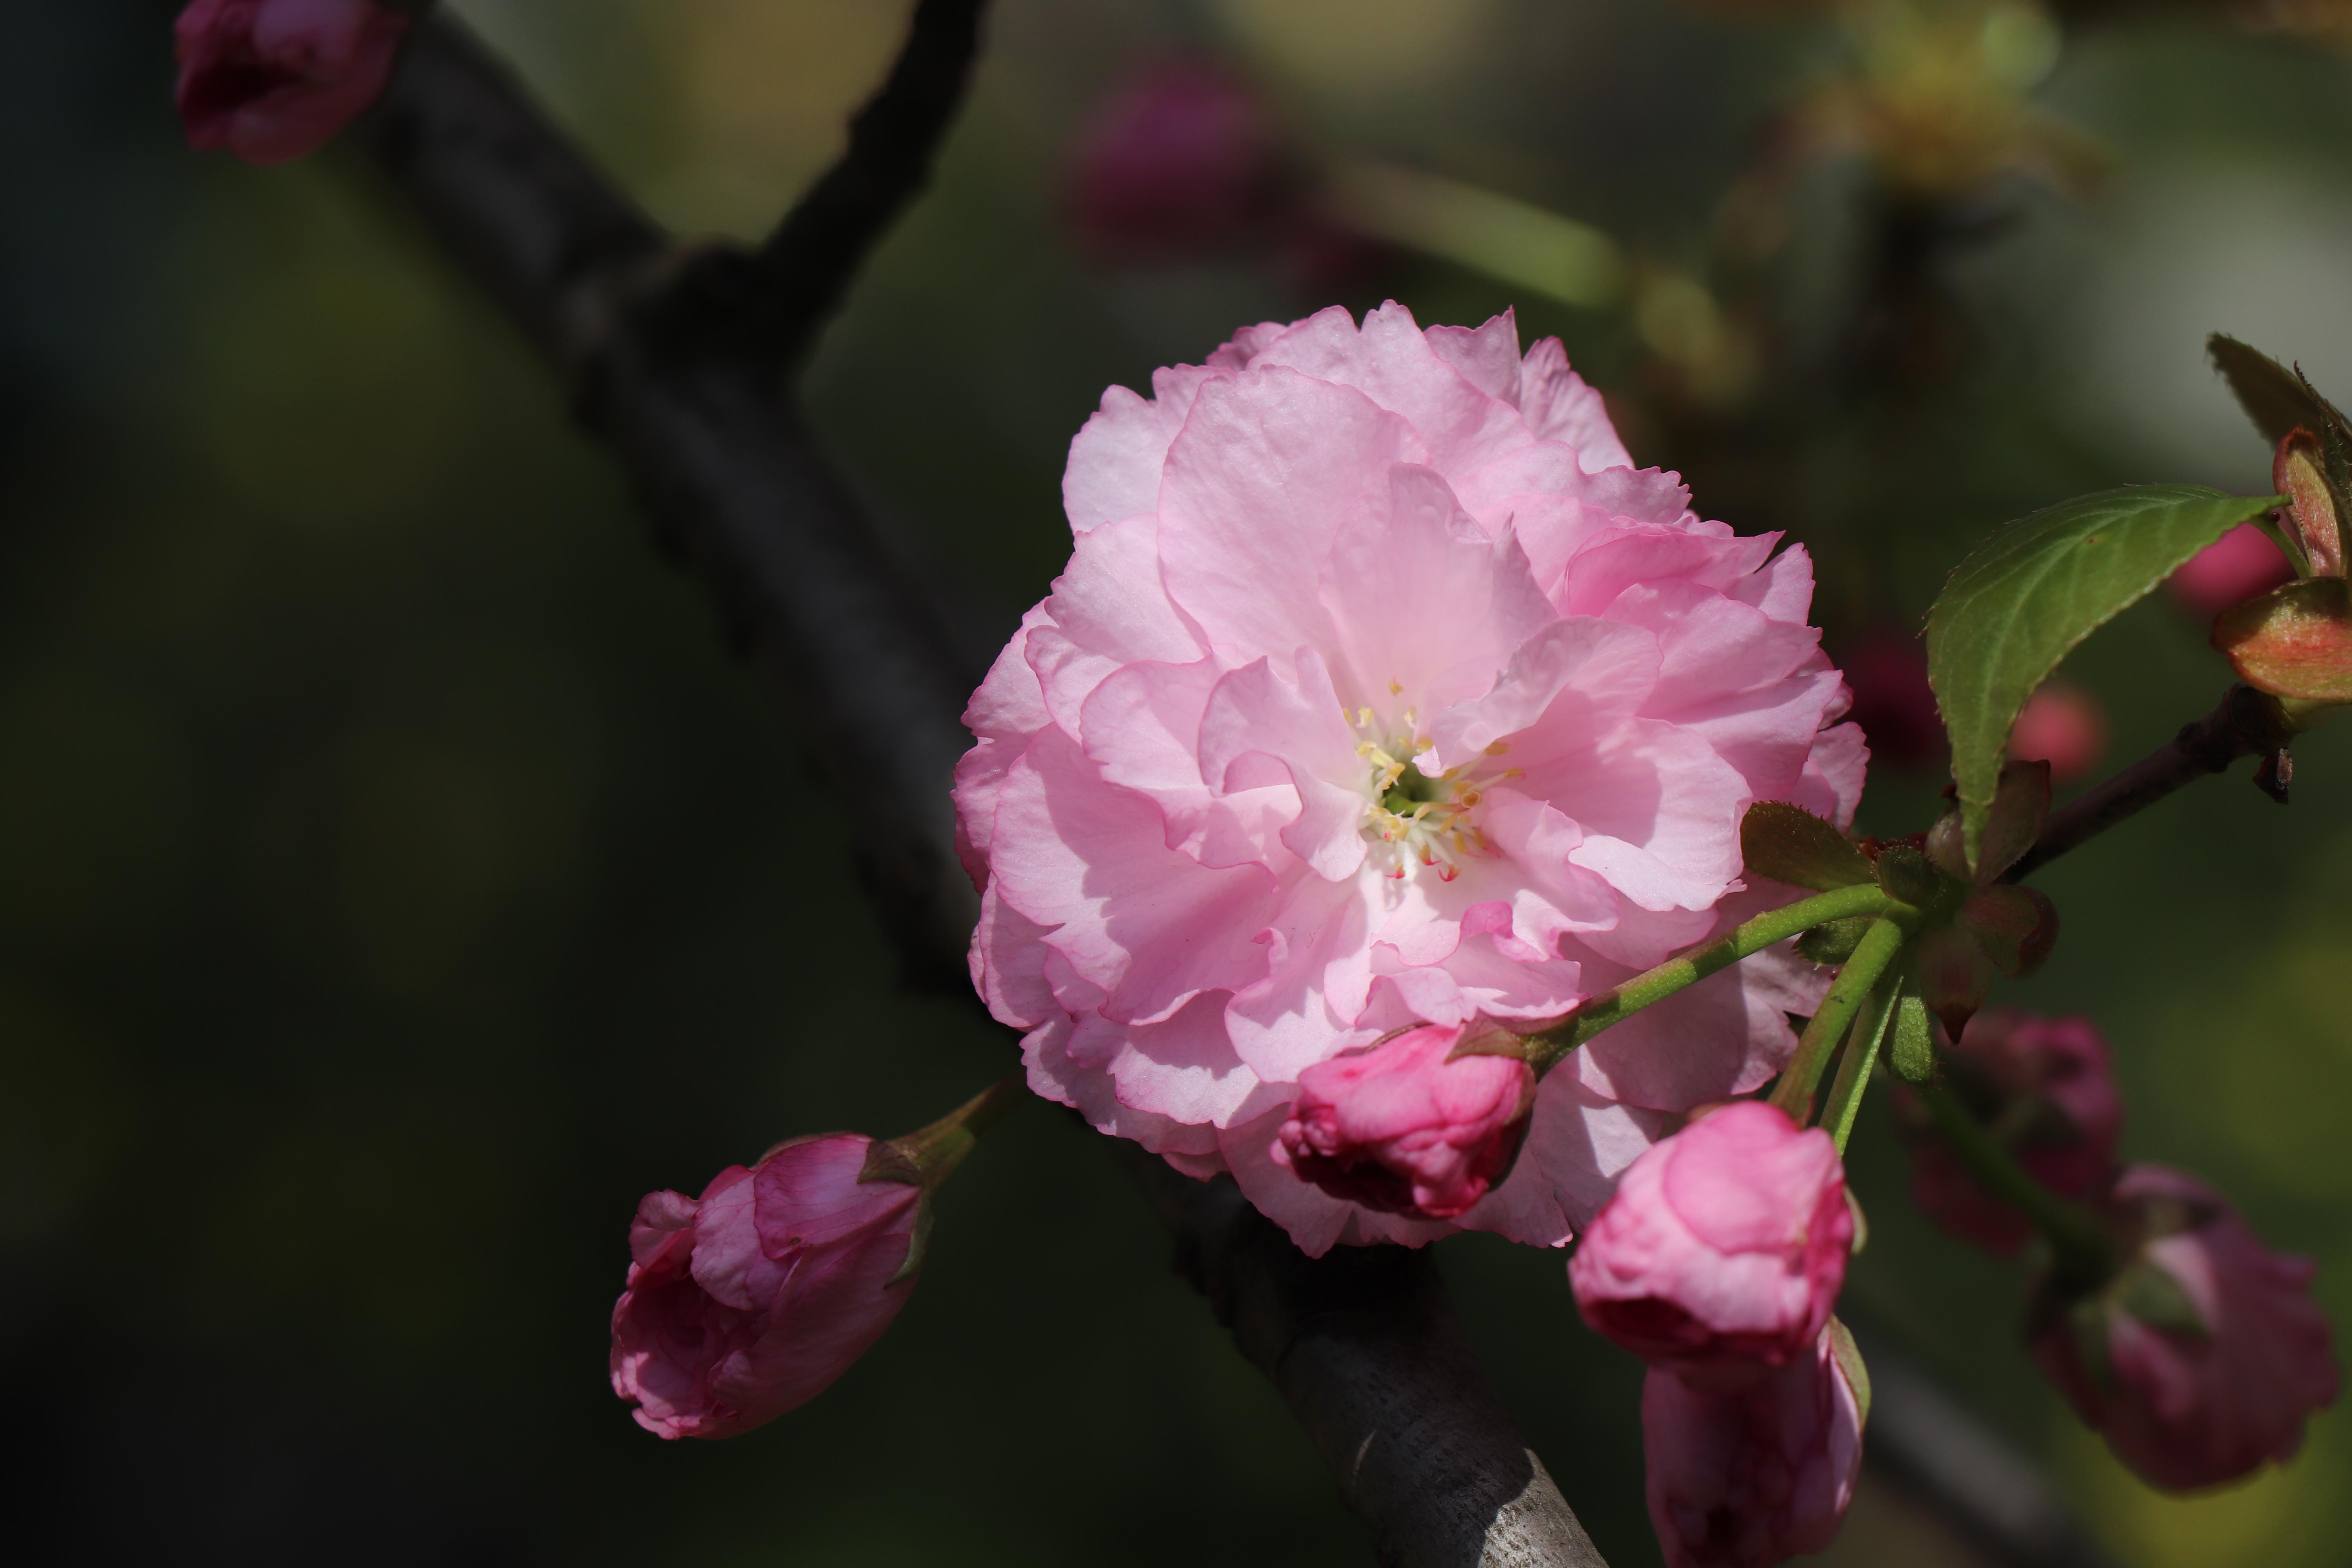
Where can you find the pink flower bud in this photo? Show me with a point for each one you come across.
(1398, 1127)
(2240, 564)
(1180, 161)
(2043, 1088)
(2061, 725)
(752, 1299)
(1887, 670)
(272, 80)
(2201, 1359)
(1724, 1248)
(1752, 1476)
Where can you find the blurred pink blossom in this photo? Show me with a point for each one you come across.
(1398, 1127)
(1750, 1477)
(752, 1298)
(2195, 1403)
(2046, 1090)
(1888, 670)
(2238, 565)
(1380, 689)
(1725, 1247)
(1179, 161)
(272, 80)
(2063, 725)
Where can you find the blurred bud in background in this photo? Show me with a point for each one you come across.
(1887, 670)
(1182, 160)
(2201, 1357)
(273, 79)
(2238, 565)
(2045, 1090)
(2063, 725)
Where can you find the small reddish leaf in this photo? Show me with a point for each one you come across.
(2294, 641)
(2020, 802)
(2017, 926)
(2298, 472)
(1955, 973)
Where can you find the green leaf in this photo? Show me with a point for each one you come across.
(1789, 844)
(2028, 594)
(2274, 397)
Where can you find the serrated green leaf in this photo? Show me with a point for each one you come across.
(2274, 397)
(2028, 594)
(1789, 844)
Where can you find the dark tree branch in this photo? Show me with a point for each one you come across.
(2245, 723)
(1363, 1345)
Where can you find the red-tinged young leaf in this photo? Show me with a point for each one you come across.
(1955, 973)
(2016, 927)
(2030, 592)
(2020, 802)
(1789, 844)
(2293, 642)
(2298, 471)
(2274, 397)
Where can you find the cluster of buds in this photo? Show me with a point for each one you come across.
(2157, 1313)
(1717, 1261)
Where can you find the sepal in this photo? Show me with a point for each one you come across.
(1789, 844)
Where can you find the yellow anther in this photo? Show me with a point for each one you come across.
(1394, 689)
(1496, 748)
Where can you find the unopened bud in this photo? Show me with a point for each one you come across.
(2299, 472)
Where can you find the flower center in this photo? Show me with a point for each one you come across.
(1411, 816)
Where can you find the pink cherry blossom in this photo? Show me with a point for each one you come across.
(272, 80)
(1725, 1246)
(1399, 1127)
(1750, 1477)
(2046, 1088)
(1181, 160)
(2189, 1408)
(2061, 725)
(752, 1298)
(1381, 690)
(2236, 566)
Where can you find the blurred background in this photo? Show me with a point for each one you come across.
(397, 878)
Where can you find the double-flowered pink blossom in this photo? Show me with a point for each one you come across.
(752, 1298)
(2205, 1371)
(2044, 1089)
(1750, 1476)
(272, 80)
(1400, 1128)
(1724, 1248)
(1381, 688)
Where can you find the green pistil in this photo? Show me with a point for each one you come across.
(1412, 787)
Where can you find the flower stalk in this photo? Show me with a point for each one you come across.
(1855, 985)
(1870, 1027)
(2084, 1251)
(1621, 1002)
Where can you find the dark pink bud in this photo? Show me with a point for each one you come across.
(1399, 1127)
(2044, 1089)
(1724, 1247)
(752, 1298)
(2061, 725)
(1181, 160)
(1887, 670)
(272, 80)
(1752, 1476)
(2201, 1359)
(2240, 564)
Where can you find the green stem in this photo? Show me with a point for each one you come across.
(1743, 941)
(2081, 1242)
(1860, 1055)
(1848, 992)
